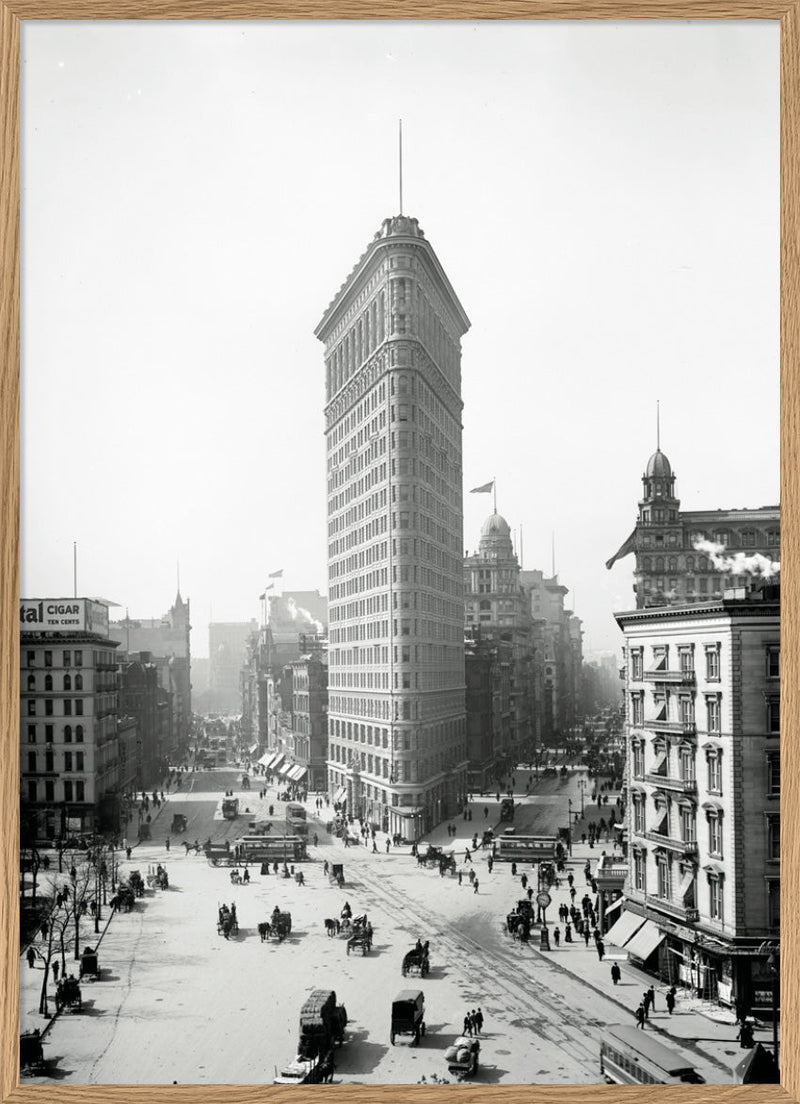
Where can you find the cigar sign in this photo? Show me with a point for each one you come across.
(63, 614)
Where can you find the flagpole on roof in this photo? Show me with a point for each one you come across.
(494, 491)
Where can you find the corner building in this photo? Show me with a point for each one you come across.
(396, 721)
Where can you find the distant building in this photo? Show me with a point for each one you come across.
(498, 628)
(702, 689)
(669, 567)
(78, 754)
(142, 695)
(168, 640)
(227, 645)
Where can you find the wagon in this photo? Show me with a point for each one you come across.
(89, 966)
(336, 874)
(416, 961)
(462, 1056)
(361, 937)
(31, 1054)
(280, 925)
(408, 1011)
(178, 823)
(68, 995)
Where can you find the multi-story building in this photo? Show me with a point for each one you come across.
(73, 772)
(673, 561)
(392, 336)
(168, 640)
(702, 688)
(496, 605)
(489, 661)
(142, 696)
(309, 716)
(227, 644)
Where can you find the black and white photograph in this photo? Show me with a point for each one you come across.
(400, 553)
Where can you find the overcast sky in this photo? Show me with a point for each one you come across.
(603, 198)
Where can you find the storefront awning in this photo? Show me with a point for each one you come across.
(295, 772)
(266, 758)
(251, 749)
(340, 795)
(647, 938)
(627, 925)
(283, 769)
(614, 907)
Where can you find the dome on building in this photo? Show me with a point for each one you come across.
(496, 526)
(658, 466)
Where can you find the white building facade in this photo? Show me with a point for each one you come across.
(392, 336)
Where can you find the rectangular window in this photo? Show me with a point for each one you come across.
(715, 835)
(773, 837)
(31, 659)
(32, 791)
(67, 760)
(715, 772)
(66, 657)
(67, 791)
(79, 707)
(31, 707)
(712, 664)
(686, 659)
(713, 714)
(48, 734)
(78, 658)
(688, 834)
(32, 734)
(774, 661)
(637, 709)
(774, 714)
(664, 880)
(49, 791)
(773, 774)
(686, 759)
(636, 665)
(48, 659)
(774, 903)
(639, 871)
(638, 761)
(638, 815)
(715, 897)
(686, 710)
(79, 791)
(67, 708)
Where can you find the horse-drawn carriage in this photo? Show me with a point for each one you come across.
(158, 879)
(432, 857)
(124, 898)
(178, 823)
(31, 1054)
(227, 923)
(68, 994)
(359, 934)
(136, 883)
(416, 961)
(277, 927)
(408, 1011)
(462, 1056)
(89, 966)
(220, 854)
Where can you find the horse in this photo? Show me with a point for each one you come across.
(264, 930)
(332, 927)
(345, 925)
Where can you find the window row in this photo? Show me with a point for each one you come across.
(69, 658)
(73, 790)
(68, 683)
(66, 734)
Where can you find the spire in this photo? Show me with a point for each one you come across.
(658, 425)
(400, 161)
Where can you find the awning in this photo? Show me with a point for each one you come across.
(687, 881)
(276, 762)
(283, 769)
(295, 772)
(627, 925)
(266, 759)
(620, 901)
(250, 750)
(340, 795)
(645, 941)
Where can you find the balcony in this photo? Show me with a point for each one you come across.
(679, 728)
(677, 785)
(679, 912)
(675, 678)
(683, 847)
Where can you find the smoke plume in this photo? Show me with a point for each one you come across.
(739, 563)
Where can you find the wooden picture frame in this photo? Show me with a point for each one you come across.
(11, 13)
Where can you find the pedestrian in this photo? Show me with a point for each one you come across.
(652, 997)
(467, 856)
(475, 885)
(43, 929)
(646, 1002)
(31, 957)
(640, 1016)
(601, 948)
(167, 843)
(530, 893)
(485, 811)
(127, 852)
(586, 934)
(557, 935)
(671, 1000)
(460, 877)
(745, 1035)
(568, 933)
(55, 970)
(572, 893)
(524, 880)
(570, 879)
(467, 1025)
(388, 844)
(374, 848)
(616, 973)
(490, 863)
(478, 1021)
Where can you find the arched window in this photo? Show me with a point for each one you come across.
(67, 682)
(48, 682)
(67, 734)
(646, 561)
(79, 734)
(78, 682)
(485, 605)
(690, 563)
(673, 563)
(659, 563)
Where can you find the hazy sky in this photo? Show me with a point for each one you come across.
(603, 198)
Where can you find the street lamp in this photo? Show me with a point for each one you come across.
(582, 788)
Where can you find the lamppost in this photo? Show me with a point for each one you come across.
(582, 788)
(569, 826)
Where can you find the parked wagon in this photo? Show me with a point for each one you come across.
(136, 883)
(408, 1012)
(279, 926)
(31, 1053)
(178, 823)
(68, 995)
(89, 966)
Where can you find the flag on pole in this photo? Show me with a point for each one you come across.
(261, 597)
(276, 574)
(485, 489)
